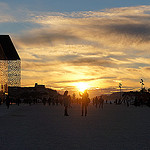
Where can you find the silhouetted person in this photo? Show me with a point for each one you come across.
(116, 101)
(119, 101)
(101, 102)
(7, 101)
(136, 101)
(18, 101)
(85, 101)
(56, 100)
(66, 99)
(30, 100)
(96, 101)
(49, 101)
(127, 102)
(53, 100)
(44, 101)
(0, 101)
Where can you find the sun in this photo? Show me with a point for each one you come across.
(82, 86)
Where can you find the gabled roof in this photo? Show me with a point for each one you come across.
(7, 49)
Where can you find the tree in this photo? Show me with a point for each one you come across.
(120, 86)
(142, 84)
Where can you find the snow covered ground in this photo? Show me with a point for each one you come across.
(39, 127)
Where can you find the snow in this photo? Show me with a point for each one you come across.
(39, 127)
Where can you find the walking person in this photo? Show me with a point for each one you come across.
(66, 99)
(85, 101)
(101, 102)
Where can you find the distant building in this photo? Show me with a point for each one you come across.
(38, 92)
(39, 86)
(10, 65)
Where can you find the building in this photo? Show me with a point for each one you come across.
(10, 65)
(38, 92)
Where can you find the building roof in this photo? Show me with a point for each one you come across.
(7, 49)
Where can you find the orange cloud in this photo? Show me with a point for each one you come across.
(96, 47)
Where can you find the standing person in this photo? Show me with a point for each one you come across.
(18, 101)
(85, 101)
(7, 101)
(101, 102)
(96, 101)
(49, 101)
(66, 99)
(0, 101)
(44, 101)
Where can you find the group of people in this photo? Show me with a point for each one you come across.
(84, 102)
(98, 102)
(65, 100)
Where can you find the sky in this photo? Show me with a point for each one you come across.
(64, 42)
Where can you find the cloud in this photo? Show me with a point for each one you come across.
(139, 32)
(4, 13)
(84, 80)
(86, 46)
(107, 29)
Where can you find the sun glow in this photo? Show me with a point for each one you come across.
(82, 86)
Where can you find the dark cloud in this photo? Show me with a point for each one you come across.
(46, 37)
(67, 58)
(140, 31)
(95, 61)
(147, 68)
(138, 18)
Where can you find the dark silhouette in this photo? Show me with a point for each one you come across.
(30, 101)
(0, 101)
(44, 101)
(66, 99)
(18, 101)
(96, 101)
(7, 101)
(85, 100)
(49, 101)
(101, 102)
(56, 100)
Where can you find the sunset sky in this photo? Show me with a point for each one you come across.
(64, 42)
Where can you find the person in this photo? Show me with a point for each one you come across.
(18, 101)
(66, 99)
(44, 101)
(7, 101)
(0, 101)
(49, 101)
(96, 101)
(101, 102)
(85, 101)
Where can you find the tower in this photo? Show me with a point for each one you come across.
(10, 64)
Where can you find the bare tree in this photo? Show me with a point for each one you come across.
(120, 86)
(142, 84)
